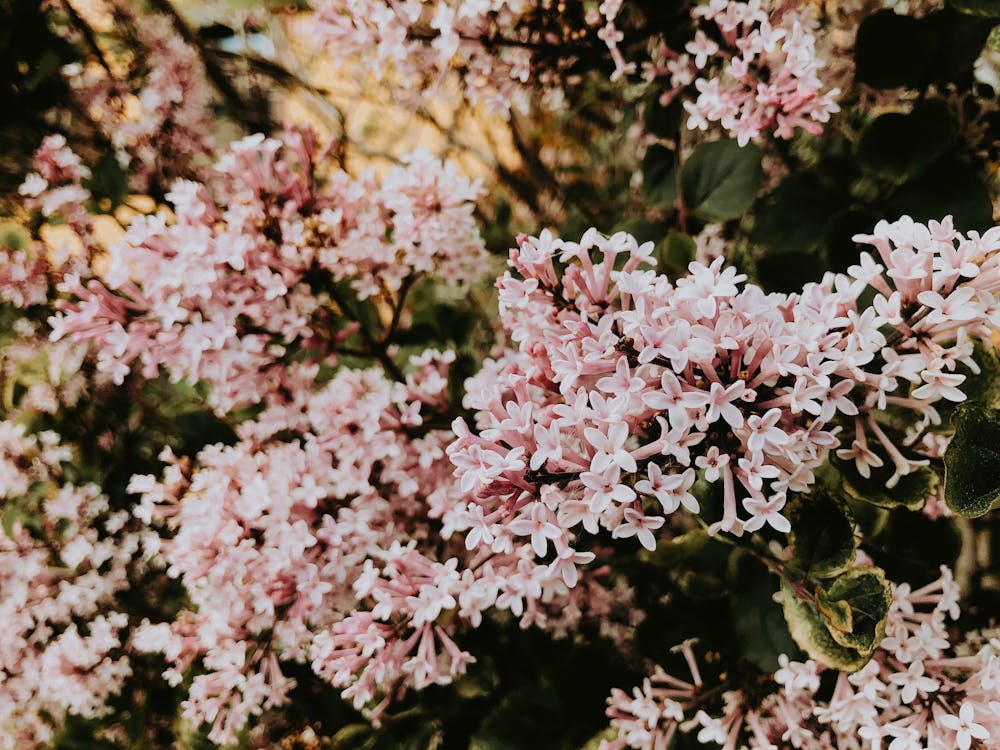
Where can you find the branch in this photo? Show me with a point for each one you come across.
(378, 350)
(240, 107)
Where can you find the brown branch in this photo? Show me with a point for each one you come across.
(242, 109)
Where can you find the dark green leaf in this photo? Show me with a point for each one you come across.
(898, 145)
(663, 121)
(810, 631)
(719, 181)
(793, 218)
(947, 187)
(844, 623)
(676, 251)
(822, 537)
(912, 547)
(670, 552)
(972, 462)
(958, 42)
(659, 178)
(109, 179)
(911, 491)
(760, 625)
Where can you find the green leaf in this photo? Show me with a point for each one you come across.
(842, 625)
(670, 552)
(911, 491)
(972, 462)
(958, 41)
(659, 177)
(794, 216)
(898, 145)
(892, 50)
(719, 181)
(822, 538)
(866, 592)
(675, 252)
(760, 626)
(810, 631)
(662, 121)
(912, 547)
(524, 719)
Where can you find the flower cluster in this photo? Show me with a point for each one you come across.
(496, 46)
(923, 689)
(315, 539)
(63, 559)
(251, 266)
(55, 187)
(754, 67)
(158, 114)
(625, 388)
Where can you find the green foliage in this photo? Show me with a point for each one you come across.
(912, 547)
(911, 491)
(946, 187)
(822, 537)
(890, 50)
(972, 462)
(719, 181)
(675, 252)
(109, 179)
(841, 624)
(902, 145)
(760, 626)
(659, 176)
(893, 51)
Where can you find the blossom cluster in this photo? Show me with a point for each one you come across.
(63, 559)
(626, 388)
(924, 688)
(497, 46)
(248, 268)
(55, 189)
(755, 68)
(155, 106)
(317, 539)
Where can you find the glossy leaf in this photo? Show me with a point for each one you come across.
(719, 181)
(822, 538)
(659, 176)
(901, 145)
(972, 462)
(810, 631)
(911, 491)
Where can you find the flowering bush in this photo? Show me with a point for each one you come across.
(289, 460)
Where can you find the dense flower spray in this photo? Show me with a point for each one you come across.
(924, 688)
(246, 272)
(756, 71)
(154, 106)
(626, 388)
(64, 557)
(317, 538)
